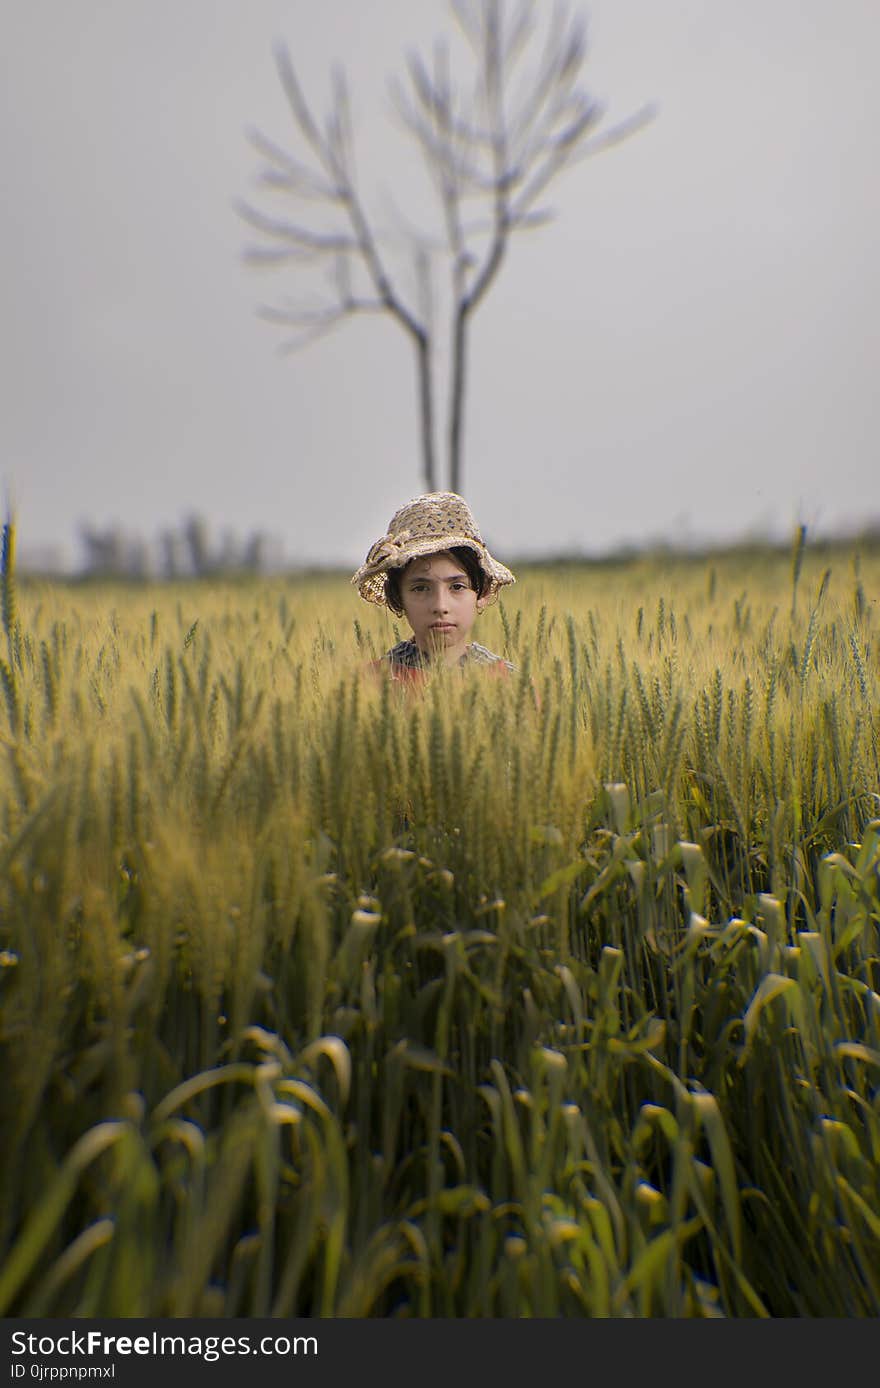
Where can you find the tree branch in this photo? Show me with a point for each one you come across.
(496, 141)
(289, 173)
(310, 242)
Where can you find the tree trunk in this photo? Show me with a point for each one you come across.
(456, 397)
(426, 409)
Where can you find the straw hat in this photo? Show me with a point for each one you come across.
(428, 524)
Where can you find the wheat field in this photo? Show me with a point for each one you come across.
(553, 996)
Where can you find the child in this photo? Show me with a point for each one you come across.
(433, 568)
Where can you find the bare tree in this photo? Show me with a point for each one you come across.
(491, 148)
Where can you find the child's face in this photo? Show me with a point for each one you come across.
(439, 604)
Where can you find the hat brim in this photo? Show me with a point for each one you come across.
(370, 578)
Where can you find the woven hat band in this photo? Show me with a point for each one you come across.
(429, 524)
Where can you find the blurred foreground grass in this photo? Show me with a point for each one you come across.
(321, 999)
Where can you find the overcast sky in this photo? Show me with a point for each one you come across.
(688, 351)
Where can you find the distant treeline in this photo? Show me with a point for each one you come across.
(185, 552)
(189, 551)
